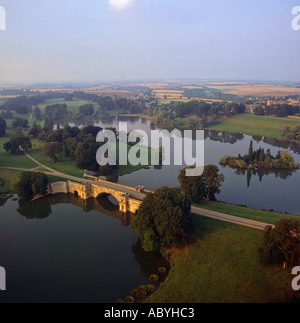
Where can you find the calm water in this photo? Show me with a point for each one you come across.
(278, 190)
(60, 249)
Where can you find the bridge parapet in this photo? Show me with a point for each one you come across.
(89, 190)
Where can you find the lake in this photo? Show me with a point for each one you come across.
(277, 190)
(62, 249)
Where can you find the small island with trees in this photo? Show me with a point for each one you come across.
(260, 159)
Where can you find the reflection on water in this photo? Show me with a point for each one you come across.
(62, 249)
(224, 137)
(42, 210)
(260, 173)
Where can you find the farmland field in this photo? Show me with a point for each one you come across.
(258, 90)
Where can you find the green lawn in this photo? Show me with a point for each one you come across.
(222, 265)
(10, 160)
(256, 125)
(72, 105)
(246, 212)
(251, 124)
(10, 177)
(64, 165)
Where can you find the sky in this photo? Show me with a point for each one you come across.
(128, 40)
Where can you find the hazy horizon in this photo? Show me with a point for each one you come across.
(100, 41)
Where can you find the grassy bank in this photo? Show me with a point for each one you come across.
(256, 125)
(222, 265)
(246, 212)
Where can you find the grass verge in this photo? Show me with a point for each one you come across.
(246, 212)
(222, 266)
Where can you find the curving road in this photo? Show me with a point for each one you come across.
(229, 218)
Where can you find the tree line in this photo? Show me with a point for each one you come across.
(281, 111)
(164, 115)
(210, 93)
(107, 103)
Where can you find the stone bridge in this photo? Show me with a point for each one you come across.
(129, 198)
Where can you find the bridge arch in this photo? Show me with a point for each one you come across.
(108, 194)
(108, 201)
(119, 196)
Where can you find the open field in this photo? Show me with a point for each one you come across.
(256, 125)
(170, 94)
(72, 105)
(222, 265)
(258, 90)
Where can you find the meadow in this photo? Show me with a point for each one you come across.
(221, 265)
(250, 124)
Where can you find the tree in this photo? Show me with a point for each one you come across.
(51, 149)
(163, 219)
(21, 109)
(198, 187)
(70, 132)
(280, 243)
(37, 113)
(34, 132)
(259, 111)
(48, 123)
(70, 147)
(94, 130)
(31, 184)
(86, 154)
(250, 151)
(20, 123)
(56, 112)
(213, 180)
(2, 127)
(86, 110)
(18, 144)
(192, 186)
